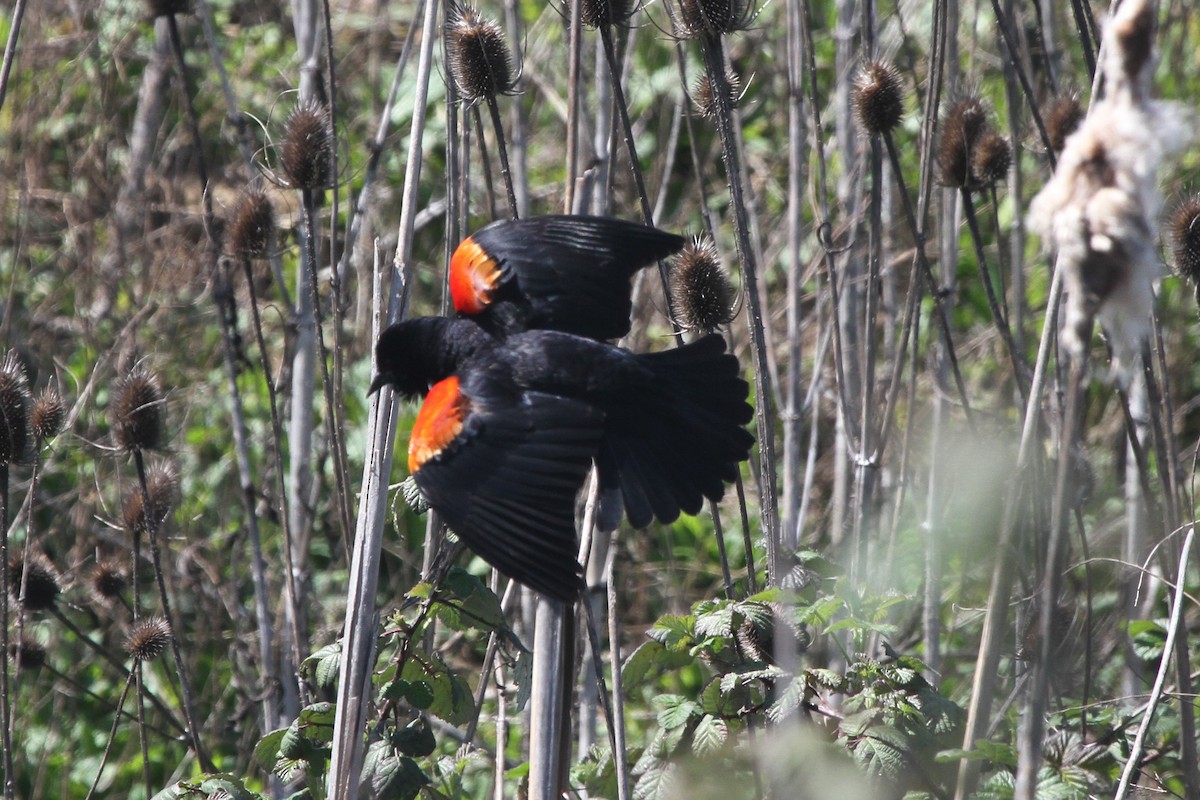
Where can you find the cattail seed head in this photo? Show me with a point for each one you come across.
(879, 98)
(965, 121)
(166, 8)
(477, 55)
(1062, 118)
(14, 410)
(991, 159)
(162, 489)
(1183, 229)
(39, 577)
(597, 13)
(108, 581)
(712, 17)
(28, 653)
(307, 152)
(149, 638)
(49, 414)
(253, 225)
(706, 99)
(137, 411)
(700, 287)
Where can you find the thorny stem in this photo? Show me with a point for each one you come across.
(502, 149)
(112, 735)
(5, 710)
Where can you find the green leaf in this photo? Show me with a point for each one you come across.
(206, 786)
(267, 749)
(389, 775)
(415, 740)
(674, 632)
(452, 699)
(324, 666)
(675, 710)
(716, 623)
(649, 656)
(883, 751)
(467, 603)
(709, 736)
(522, 675)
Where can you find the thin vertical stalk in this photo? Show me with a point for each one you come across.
(10, 51)
(5, 709)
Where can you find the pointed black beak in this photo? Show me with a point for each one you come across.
(380, 381)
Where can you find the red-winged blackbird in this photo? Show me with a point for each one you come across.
(673, 421)
(563, 273)
(503, 466)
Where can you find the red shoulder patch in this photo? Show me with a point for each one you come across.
(473, 276)
(438, 422)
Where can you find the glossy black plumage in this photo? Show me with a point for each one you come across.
(568, 273)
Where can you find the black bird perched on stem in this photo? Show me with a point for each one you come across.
(508, 425)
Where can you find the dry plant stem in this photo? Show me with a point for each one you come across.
(336, 429)
(358, 637)
(502, 149)
(1029, 747)
(143, 742)
(489, 657)
(185, 690)
(376, 149)
(574, 87)
(618, 694)
(486, 161)
(998, 316)
(1030, 97)
(112, 735)
(236, 118)
(5, 709)
(983, 687)
(546, 731)
(1132, 764)
(1087, 34)
(714, 63)
(1087, 623)
(10, 51)
(918, 234)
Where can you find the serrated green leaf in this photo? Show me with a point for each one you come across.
(389, 775)
(883, 751)
(522, 675)
(676, 710)
(718, 622)
(267, 749)
(452, 700)
(324, 666)
(827, 679)
(674, 632)
(709, 736)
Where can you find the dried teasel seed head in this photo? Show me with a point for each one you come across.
(14, 410)
(598, 13)
(965, 121)
(253, 225)
(39, 577)
(162, 489)
(28, 654)
(307, 153)
(477, 55)
(700, 287)
(149, 638)
(48, 415)
(1062, 118)
(137, 412)
(108, 581)
(879, 98)
(706, 99)
(712, 17)
(991, 159)
(1183, 229)
(166, 8)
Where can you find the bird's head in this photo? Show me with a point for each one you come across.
(412, 355)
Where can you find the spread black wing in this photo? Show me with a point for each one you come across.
(507, 485)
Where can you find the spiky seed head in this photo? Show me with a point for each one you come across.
(879, 98)
(713, 17)
(166, 8)
(991, 159)
(28, 653)
(700, 287)
(14, 410)
(137, 411)
(307, 153)
(965, 121)
(597, 13)
(477, 55)
(149, 638)
(1063, 117)
(1183, 231)
(49, 414)
(253, 225)
(108, 581)
(39, 577)
(162, 488)
(706, 99)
